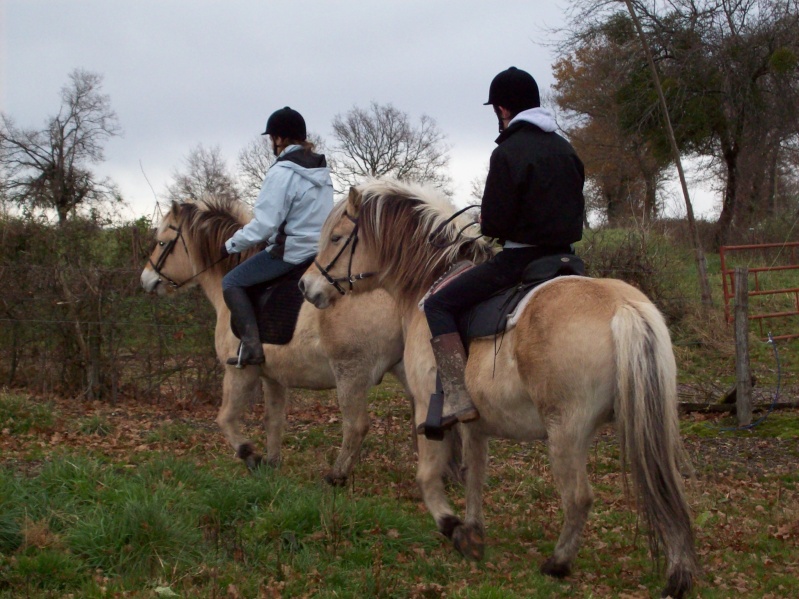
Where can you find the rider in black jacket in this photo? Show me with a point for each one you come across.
(533, 203)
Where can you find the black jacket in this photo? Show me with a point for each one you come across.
(534, 189)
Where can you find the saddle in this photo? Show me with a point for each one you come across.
(277, 306)
(490, 318)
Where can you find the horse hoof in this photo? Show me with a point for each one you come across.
(448, 524)
(469, 542)
(335, 479)
(253, 462)
(554, 569)
(244, 451)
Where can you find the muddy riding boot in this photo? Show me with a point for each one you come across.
(451, 363)
(251, 352)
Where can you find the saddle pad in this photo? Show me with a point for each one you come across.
(277, 306)
(452, 273)
(491, 317)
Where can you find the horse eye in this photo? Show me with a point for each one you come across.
(335, 238)
(162, 243)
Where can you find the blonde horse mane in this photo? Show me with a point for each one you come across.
(388, 208)
(206, 224)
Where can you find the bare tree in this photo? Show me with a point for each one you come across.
(477, 187)
(48, 169)
(382, 142)
(205, 171)
(254, 161)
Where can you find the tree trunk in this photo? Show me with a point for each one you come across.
(771, 194)
(728, 206)
(77, 332)
(650, 198)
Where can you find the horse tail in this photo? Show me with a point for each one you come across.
(649, 436)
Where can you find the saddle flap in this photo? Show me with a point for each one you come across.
(277, 305)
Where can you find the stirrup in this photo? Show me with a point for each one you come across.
(239, 361)
(434, 431)
(435, 425)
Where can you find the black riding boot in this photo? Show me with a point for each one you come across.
(251, 352)
(451, 363)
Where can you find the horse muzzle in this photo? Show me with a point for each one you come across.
(315, 290)
(151, 282)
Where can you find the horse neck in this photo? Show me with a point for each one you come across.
(211, 284)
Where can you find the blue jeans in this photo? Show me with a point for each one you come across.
(259, 268)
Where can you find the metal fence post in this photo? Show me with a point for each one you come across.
(742, 371)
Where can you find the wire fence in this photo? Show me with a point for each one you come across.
(74, 320)
(95, 334)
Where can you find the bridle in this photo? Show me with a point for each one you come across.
(168, 248)
(350, 278)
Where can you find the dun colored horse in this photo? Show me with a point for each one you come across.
(583, 352)
(349, 348)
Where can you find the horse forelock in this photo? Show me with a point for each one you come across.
(206, 224)
(396, 220)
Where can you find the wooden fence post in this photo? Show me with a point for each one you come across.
(743, 375)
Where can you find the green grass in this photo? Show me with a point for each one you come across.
(766, 425)
(142, 521)
(19, 415)
(170, 432)
(172, 519)
(95, 425)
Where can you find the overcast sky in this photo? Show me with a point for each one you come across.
(183, 72)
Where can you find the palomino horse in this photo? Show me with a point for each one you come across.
(349, 348)
(582, 353)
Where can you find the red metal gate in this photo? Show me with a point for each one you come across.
(760, 290)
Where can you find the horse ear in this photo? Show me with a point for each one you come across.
(354, 202)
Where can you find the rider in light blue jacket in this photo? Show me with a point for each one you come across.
(295, 199)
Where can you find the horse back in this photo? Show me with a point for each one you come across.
(564, 343)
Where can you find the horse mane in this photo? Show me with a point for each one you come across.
(390, 208)
(206, 224)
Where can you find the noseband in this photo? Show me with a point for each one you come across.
(350, 278)
(169, 247)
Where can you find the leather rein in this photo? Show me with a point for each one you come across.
(350, 278)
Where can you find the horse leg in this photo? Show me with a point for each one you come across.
(568, 455)
(274, 419)
(469, 538)
(238, 387)
(433, 459)
(398, 370)
(352, 389)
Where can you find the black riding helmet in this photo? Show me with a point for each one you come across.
(515, 90)
(287, 123)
